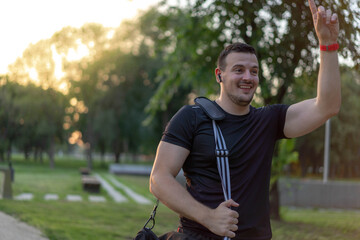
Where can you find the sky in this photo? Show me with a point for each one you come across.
(27, 21)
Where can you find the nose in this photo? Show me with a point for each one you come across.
(247, 75)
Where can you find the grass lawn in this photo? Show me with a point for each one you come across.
(61, 219)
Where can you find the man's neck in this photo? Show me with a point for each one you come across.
(230, 107)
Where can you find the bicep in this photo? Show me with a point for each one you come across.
(169, 158)
(303, 118)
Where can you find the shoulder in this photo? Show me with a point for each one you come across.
(274, 114)
(273, 109)
(185, 117)
(182, 126)
(189, 112)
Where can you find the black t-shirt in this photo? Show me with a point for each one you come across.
(250, 140)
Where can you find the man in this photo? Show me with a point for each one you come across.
(250, 135)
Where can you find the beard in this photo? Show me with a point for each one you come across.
(240, 100)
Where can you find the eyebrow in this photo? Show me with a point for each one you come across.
(240, 65)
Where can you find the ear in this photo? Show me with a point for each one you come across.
(218, 75)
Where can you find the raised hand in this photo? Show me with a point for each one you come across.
(326, 24)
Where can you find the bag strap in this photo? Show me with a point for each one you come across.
(222, 161)
(210, 108)
(221, 151)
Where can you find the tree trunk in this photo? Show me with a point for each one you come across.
(36, 154)
(8, 154)
(102, 158)
(117, 151)
(275, 202)
(117, 157)
(51, 153)
(89, 156)
(41, 156)
(26, 153)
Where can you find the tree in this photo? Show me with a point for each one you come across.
(41, 114)
(196, 33)
(282, 33)
(344, 131)
(31, 118)
(345, 146)
(120, 85)
(9, 122)
(285, 156)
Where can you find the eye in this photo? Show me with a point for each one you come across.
(239, 70)
(254, 72)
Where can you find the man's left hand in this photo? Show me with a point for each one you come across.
(326, 24)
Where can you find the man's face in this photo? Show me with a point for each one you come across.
(240, 77)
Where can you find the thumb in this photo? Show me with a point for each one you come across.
(229, 203)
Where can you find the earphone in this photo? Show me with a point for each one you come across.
(220, 80)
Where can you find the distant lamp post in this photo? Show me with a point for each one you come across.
(326, 152)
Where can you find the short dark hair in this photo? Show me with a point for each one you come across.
(235, 47)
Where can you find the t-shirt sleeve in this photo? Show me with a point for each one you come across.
(281, 110)
(179, 130)
(277, 114)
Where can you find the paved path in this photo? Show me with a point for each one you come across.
(13, 229)
(112, 192)
(136, 197)
(117, 196)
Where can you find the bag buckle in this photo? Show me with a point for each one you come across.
(152, 217)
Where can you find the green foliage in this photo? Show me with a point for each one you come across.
(115, 89)
(32, 118)
(345, 129)
(344, 154)
(282, 32)
(286, 155)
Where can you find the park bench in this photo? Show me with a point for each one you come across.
(6, 190)
(84, 171)
(91, 184)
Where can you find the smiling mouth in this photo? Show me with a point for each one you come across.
(245, 87)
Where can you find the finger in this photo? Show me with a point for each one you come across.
(234, 214)
(321, 15)
(313, 7)
(328, 16)
(234, 221)
(322, 12)
(233, 228)
(334, 18)
(230, 234)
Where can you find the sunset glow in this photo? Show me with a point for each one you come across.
(23, 22)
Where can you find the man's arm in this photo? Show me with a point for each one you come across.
(168, 162)
(306, 116)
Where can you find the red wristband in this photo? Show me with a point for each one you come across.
(331, 47)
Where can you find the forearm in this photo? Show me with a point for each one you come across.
(175, 197)
(329, 84)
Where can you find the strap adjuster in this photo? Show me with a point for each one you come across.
(222, 153)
